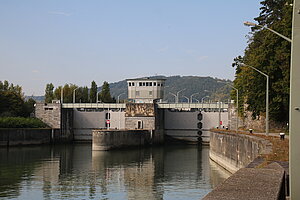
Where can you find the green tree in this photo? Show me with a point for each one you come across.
(57, 93)
(93, 92)
(49, 94)
(28, 107)
(85, 94)
(270, 54)
(105, 93)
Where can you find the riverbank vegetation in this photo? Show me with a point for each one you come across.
(82, 94)
(21, 122)
(270, 54)
(15, 111)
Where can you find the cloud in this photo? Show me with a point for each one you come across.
(164, 49)
(201, 58)
(59, 13)
(35, 71)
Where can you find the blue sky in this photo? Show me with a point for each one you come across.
(77, 41)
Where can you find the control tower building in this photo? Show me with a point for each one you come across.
(145, 90)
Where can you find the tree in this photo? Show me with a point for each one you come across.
(85, 94)
(28, 107)
(11, 100)
(270, 54)
(105, 93)
(93, 92)
(49, 94)
(57, 92)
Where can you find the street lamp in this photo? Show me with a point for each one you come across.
(203, 98)
(267, 95)
(173, 95)
(294, 118)
(237, 106)
(62, 94)
(192, 97)
(177, 96)
(188, 100)
(74, 95)
(280, 35)
(119, 97)
(97, 96)
(197, 100)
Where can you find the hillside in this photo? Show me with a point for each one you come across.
(205, 86)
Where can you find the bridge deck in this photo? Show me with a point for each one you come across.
(160, 105)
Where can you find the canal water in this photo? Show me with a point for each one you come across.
(76, 172)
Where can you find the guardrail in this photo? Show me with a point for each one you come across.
(94, 105)
(160, 105)
(193, 105)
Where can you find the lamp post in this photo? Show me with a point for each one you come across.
(267, 95)
(294, 118)
(74, 95)
(197, 100)
(192, 97)
(188, 100)
(254, 24)
(237, 106)
(173, 95)
(97, 96)
(203, 99)
(177, 94)
(62, 95)
(118, 101)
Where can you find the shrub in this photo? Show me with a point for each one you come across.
(21, 122)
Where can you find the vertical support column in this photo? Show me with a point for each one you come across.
(295, 106)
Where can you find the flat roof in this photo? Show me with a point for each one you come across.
(146, 79)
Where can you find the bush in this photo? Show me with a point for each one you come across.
(21, 122)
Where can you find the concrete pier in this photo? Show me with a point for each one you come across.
(112, 139)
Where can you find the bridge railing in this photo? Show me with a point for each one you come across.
(160, 105)
(193, 105)
(94, 105)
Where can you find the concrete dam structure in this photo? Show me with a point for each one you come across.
(144, 111)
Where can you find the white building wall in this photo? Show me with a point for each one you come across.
(117, 120)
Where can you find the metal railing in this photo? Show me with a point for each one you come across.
(160, 105)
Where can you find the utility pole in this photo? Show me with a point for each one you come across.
(294, 122)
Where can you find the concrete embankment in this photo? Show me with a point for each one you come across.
(31, 136)
(235, 151)
(112, 139)
(239, 154)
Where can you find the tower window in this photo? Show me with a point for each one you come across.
(129, 84)
(132, 83)
(140, 84)
(154, 84)
(150, 84)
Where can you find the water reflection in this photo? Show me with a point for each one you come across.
(75, 172)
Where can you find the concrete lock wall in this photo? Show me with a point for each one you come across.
(28, 136)
(110, 139)
(188, 120)
(49, 113)
(235, 151)
(84, 122)
(117, 119)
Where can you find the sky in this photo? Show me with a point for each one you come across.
(77, 41)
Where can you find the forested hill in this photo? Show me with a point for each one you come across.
(205, 86)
